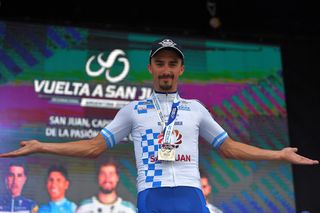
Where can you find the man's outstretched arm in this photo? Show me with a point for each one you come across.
(236, 150)
(90, 148)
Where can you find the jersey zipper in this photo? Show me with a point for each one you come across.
(12, 204)
(169, 106)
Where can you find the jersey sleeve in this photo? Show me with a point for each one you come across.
(210, 130)
(119, 127)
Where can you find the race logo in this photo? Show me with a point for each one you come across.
(167, 43)
(175, 136)
(107, 64)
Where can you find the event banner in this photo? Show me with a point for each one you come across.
(64, 83)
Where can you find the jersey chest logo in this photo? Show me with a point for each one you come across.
(175, 136)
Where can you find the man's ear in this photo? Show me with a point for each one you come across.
(67, 184)
(181, 70)
(149, 69)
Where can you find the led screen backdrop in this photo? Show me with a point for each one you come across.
(66, 83)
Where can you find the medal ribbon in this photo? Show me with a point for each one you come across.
(166, 127)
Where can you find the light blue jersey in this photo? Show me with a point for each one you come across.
(61, 206)
(141, 119)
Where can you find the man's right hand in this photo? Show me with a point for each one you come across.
(89, 148)
(27, 147)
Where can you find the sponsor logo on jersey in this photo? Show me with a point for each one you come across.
(175, 136)
(184, 108)
(179, 157)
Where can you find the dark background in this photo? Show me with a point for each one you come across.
(293, 25)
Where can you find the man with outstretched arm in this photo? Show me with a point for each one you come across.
(165, 129)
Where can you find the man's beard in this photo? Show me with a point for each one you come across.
(106, 191)
(165, 86)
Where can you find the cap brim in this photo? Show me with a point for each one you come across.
(174, 48)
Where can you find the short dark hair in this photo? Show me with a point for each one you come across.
(18, 163)
(109, 162)
(58, 168)
(203, 174)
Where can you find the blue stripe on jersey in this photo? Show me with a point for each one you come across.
(107, 136)
(219, 140)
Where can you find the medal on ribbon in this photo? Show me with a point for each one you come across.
(166, 151)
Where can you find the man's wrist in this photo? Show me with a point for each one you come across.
(280, 155)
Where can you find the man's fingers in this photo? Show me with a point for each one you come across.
(23, 143)
(9, 154)
(290, 149)
(24, 150)
(290, 155)
(304, 160)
